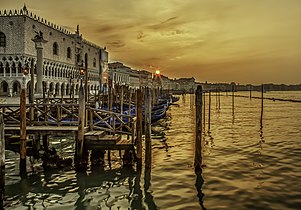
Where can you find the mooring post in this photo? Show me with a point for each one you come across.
(250, 92)
(216, 99)
(81, 128)
(204, 109)
(139, 126)
(121, 99)
(23, 172)
(209, 110)
(219, 98)
(261, 115)
(233, 90)
(198, 129)
(45, 143)
(2, 142)
(2, 160)
(148, 143)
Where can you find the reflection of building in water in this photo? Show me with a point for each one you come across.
(63, 53)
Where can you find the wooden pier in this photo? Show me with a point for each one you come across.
(95, 129)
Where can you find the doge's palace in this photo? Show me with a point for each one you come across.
(64, 53)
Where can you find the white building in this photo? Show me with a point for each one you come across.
(124, 75)
(63, 53)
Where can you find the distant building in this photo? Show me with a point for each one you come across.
(63, 54)
(124, 75)
(184, 84)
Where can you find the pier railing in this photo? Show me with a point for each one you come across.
(62, 114)
(111, 122)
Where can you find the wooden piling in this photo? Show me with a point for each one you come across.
(250, 92)
(261, 115)
(198, 129)
(139, 125)
(2, 160)
(219, 99)
(216, 99)
(23, 172)
(147, 117)
(204, 109)
(2, 142)
(45, 143)
(209, 110)
(233, 89)
(81, 129)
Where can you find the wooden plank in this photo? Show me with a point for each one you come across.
(52, 128)
(107, 139)
(44, 129)
(125, 142)
(94, 135)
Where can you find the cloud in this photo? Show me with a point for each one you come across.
(115, 44)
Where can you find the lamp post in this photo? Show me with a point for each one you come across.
(81, 75)
(23, 172)
(81, 123)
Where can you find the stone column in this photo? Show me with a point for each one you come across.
(10, 92)
(39, 41)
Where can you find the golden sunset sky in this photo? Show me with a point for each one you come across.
(246, 41)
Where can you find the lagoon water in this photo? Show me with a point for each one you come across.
(246, 165)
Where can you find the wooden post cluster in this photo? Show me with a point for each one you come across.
(198, 129)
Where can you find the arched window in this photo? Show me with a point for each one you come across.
(4, 87)
(94, 62)
(7, 69)
(1, 68)
(2, 40)
(68, 52)
(16, 87)
(13, 68)
(55, 49)
(19, 67)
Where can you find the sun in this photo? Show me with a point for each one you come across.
(157, 72)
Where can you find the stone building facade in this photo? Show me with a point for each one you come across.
(64, 54)
(124, 75)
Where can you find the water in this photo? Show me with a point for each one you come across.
(246, 165)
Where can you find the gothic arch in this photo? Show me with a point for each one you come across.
(4, 88)
(16, 86)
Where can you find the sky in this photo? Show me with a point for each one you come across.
(245, 41)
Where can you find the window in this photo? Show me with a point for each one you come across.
(4, 87)
(68, 52)
(1, 68)
(2, 40)
(55, 49)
